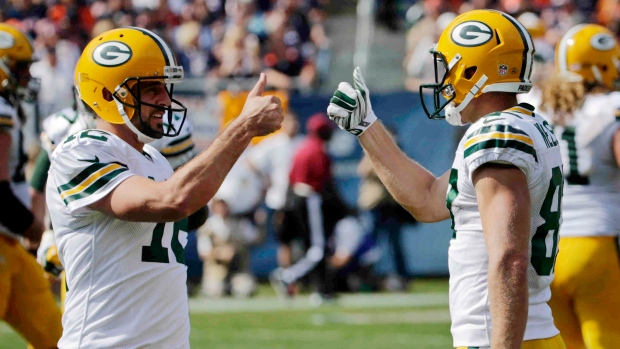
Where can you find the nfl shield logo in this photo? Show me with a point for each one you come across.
(502, 69)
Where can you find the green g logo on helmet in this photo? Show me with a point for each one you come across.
(603, 42)
(471, 33)
(112, 54)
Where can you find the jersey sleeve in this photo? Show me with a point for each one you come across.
(7, 115)
(495, 140)
(87, 169)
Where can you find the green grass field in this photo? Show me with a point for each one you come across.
(418, 319)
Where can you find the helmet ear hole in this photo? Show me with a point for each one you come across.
(470, 72)
(604, 68)
(107, 95)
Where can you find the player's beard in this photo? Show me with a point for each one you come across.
(146, 128)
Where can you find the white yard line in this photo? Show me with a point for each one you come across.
(353, 301)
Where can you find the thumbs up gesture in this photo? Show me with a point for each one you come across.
(261, 114)
(350, 106)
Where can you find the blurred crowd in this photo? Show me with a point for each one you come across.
(546, 21)
(219, 39)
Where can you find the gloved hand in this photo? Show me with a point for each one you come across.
(350, 107)
(47, 254)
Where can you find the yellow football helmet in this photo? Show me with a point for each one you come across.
(118, 61)
(479, 51)
(16, 54)
(592, 53)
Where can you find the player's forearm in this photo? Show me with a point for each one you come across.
(504, 204)
(509, 300)
(195, 183)
(410, 184)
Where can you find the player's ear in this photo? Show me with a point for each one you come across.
(107, 95)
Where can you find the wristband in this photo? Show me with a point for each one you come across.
(364, 125)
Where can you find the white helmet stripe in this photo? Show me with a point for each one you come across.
(562, 59)
(528, 53)
(168, 56)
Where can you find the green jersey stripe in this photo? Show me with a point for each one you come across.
(501, 143)
(82, 176)
(497, 128)
(95, 186)
(87, 172)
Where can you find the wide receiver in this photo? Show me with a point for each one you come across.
(503, 191)
(118, 211)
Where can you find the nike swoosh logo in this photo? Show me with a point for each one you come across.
(94, 161)
(486, 121)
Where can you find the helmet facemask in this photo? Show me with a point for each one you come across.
(440, 89)
(131, 89)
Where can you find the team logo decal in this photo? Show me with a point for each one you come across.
(112, 54)
(471, 33)
(602, 42)
(502, 69)
(6, 40)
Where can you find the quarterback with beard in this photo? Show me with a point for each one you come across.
(118, 211)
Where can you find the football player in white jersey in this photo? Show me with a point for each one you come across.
(118, 211)
(503, 191)
(584, 106)
(177, 150)
(26, 302)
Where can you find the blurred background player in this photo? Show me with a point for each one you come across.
(583, 104)
(388, 220)
(312, 210)
(271, 159)
(26, 301)
(224, 245)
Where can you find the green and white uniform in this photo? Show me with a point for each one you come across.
(126, 280)
(592, 188)
(521, 138)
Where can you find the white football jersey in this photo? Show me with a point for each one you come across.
(519, 137)
(591, 200)
(125, 280)
(11, 123)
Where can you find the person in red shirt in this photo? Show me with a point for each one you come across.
(312, 210)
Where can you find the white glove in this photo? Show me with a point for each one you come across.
(350, 107)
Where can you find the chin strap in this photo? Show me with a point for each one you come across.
(453, 111)
(141, 136)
